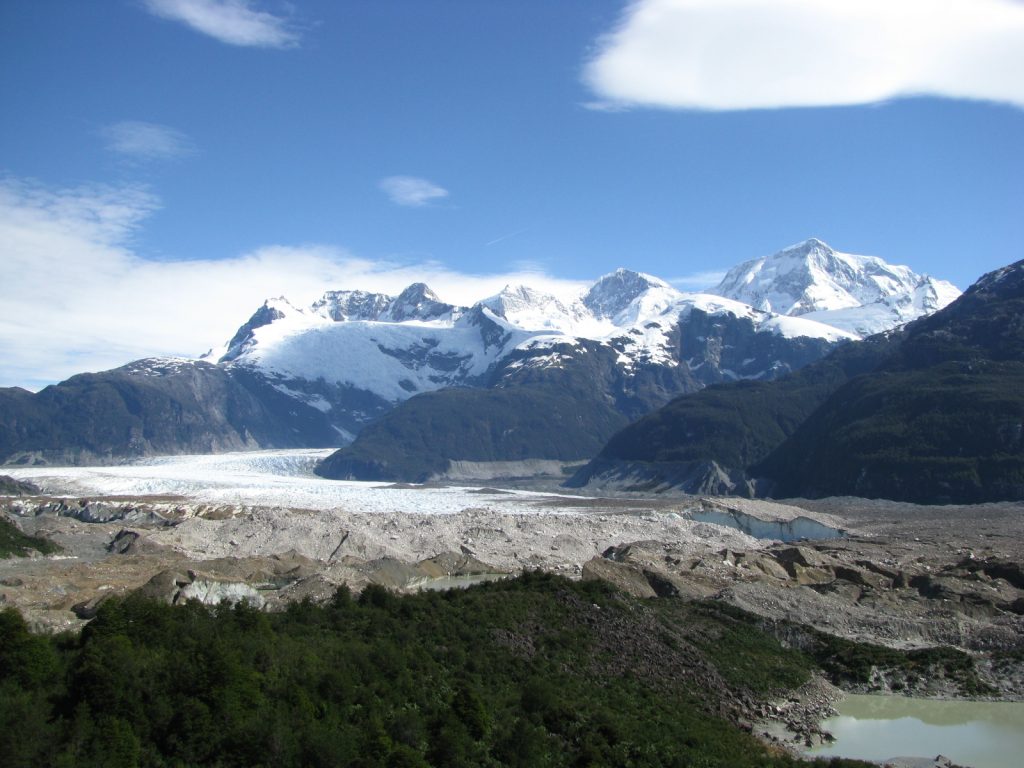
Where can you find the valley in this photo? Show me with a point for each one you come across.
(894, 577)
(406, 385)
(633, 384)
(698, 457)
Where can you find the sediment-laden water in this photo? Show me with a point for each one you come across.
(980, 734)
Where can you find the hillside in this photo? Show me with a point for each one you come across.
(419, 439)
(537, 671)
(564, 405)
(932, 414)
(157, 406)
(703, 442)
(940, 421)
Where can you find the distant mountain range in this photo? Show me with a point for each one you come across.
(416, 382)
(930, 413)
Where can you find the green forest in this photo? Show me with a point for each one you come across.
(535, 671)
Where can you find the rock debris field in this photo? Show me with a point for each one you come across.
(263, 526)
(130, 522)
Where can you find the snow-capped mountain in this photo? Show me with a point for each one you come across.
(397, 347)
(316, 375)
(352, 305)
(390, 348)
(859, 294)
(527, 308)
(624, 296)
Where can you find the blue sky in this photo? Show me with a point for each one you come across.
(175, 161)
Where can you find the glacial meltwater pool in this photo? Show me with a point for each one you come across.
(979, 734)
(460, 582)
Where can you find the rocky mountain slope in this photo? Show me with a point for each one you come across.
(564, 404)
(317, 375)
(930, 414)
(708, 340)
(155, 406)
(703, 442)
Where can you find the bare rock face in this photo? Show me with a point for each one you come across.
(766, 564)
(174, 587)
(805, 565)
(699, 478)
(212, 592)
(164, 585)
(129, 542)
(452, 564)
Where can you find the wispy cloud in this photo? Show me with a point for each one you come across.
(235, 22)
(139, 140)
(78, 297)
(411, 191)
(503, 238)
(754, 54)
(698, 281)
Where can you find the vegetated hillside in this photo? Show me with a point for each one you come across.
(538, 671)
(153, 407)
(940, 421)
(701, 440)
(420, 438)
(933, 414)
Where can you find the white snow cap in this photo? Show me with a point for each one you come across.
(860, 294)
(396, 347)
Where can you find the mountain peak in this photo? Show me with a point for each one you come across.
(516, 296)
(614, 292)
(527, 307)
(418, 292)
(272, 309)
(810, 244)
(351, 305)
(811, 277)
(417, 302)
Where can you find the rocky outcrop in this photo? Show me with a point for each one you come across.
(853, 588)
(11, 487)
(697, 478)
(174, 587)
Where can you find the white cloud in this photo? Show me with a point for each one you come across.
(235, 22)
(146, 141)
(77, 297)
(753, 54)
(411, 191)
